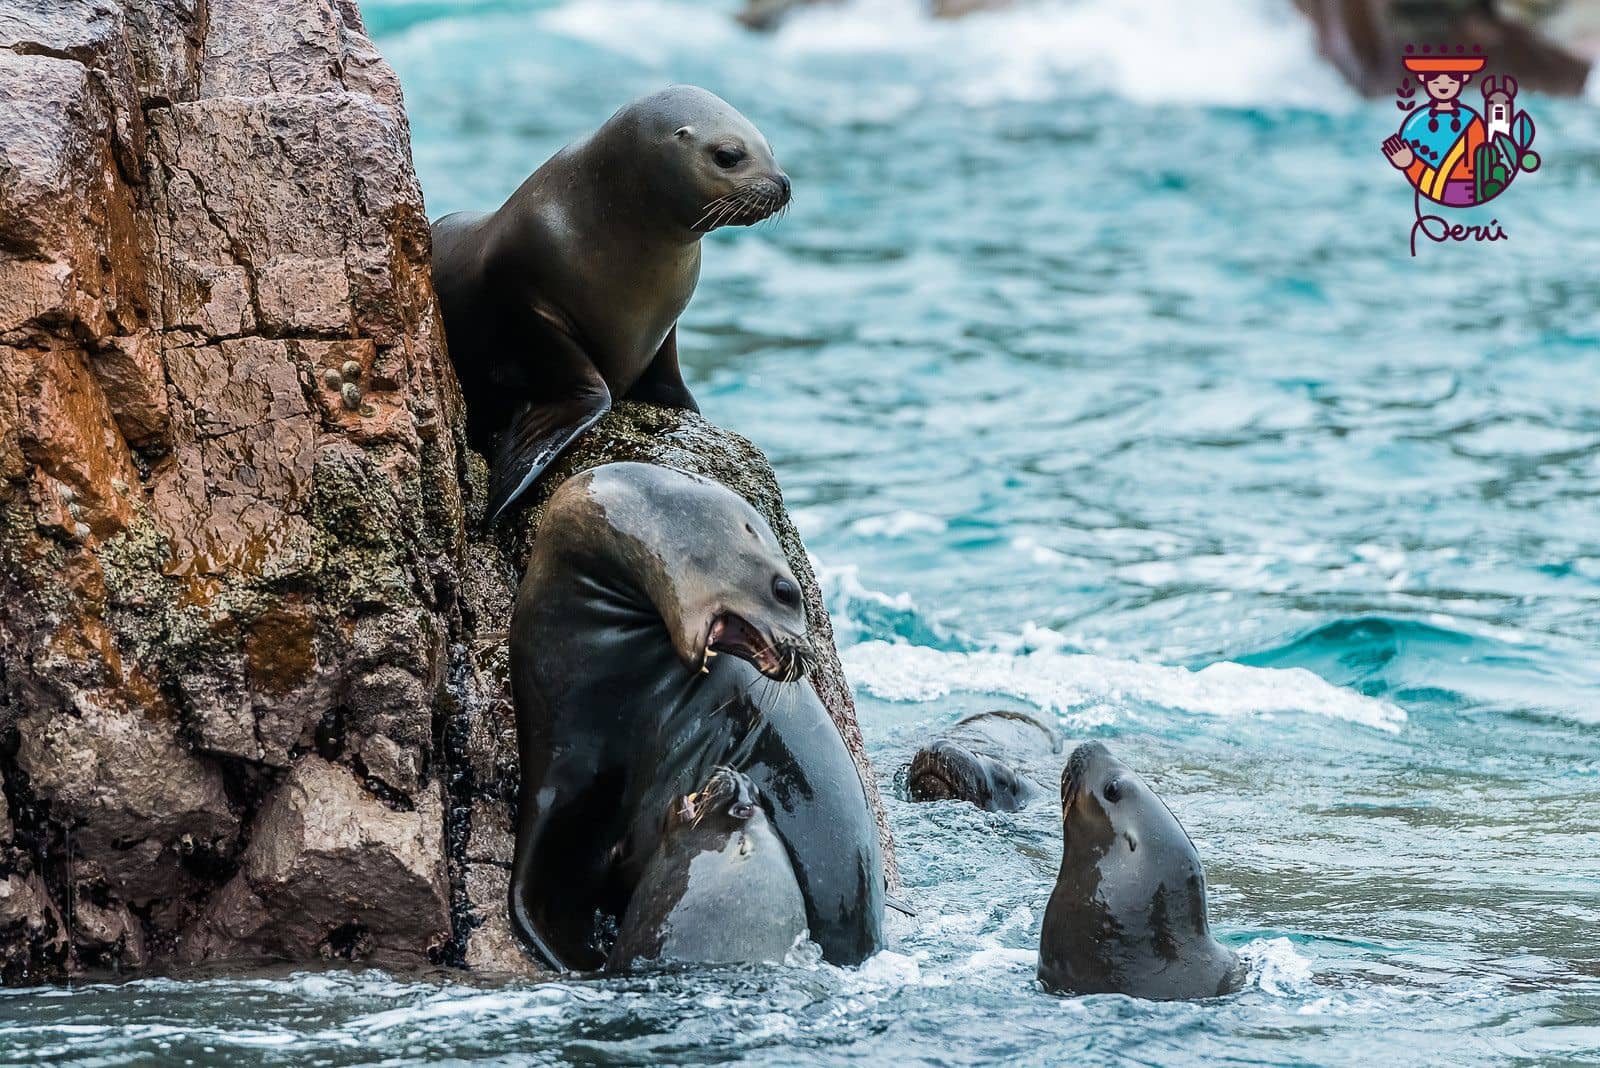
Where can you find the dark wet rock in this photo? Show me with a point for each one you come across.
(333, 872)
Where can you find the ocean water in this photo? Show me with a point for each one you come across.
(1099, 377)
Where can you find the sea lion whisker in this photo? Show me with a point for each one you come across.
(712, 207)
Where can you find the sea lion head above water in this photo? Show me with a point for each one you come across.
(719, 889)
(1128, 913)
(972, 761)
(719, 582)
(704, 164)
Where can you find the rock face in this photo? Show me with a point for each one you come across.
(253, 692)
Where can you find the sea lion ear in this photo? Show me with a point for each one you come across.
(683, 133)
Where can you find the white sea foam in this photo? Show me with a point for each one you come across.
(1243, 53)
(1079, 685)
(1277, 968)
(1151, 51)
(897, 524)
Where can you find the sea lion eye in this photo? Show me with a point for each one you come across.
(785, 592)
(728, 158)
(742, 811)
(1112, 791)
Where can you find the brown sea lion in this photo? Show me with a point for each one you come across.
(569, 295)
(639, 578)
(977, 760)
(1128, 913)
(719, 888)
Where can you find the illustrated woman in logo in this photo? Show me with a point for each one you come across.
(1438, 146)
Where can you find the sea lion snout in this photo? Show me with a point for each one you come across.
(777, 652)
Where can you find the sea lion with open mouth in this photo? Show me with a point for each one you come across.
(569, 295)
(640, 577)
(1128, 914)
(978, 760)
(719, 888)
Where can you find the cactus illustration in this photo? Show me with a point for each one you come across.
(1509, 153)
(1522, 130)
(1490, 173)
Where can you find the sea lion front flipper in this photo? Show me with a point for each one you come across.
(662, 381)
(525, 913)
(536, 435)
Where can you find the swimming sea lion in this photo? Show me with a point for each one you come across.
(719, 888)
(972, 761)
(569, 295)
(639, 577)
(1128, 914)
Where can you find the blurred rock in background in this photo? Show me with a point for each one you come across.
(1547, 45)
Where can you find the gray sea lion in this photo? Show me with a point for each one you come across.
(719, 888)
(1128, 913)
(639, 577)
(569, 295)
(973, 761)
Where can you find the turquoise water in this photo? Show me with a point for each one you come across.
(1099, 378)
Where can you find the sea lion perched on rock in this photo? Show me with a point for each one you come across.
(569, 295)
(1128, 913)
(973, 761)
(719, 889)
(640, 576)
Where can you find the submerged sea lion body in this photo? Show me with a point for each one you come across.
(1128, 913)
(639, 577)
(568, 296)
(719, 888)
(977, 760)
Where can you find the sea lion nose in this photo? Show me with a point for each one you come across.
(783, 182)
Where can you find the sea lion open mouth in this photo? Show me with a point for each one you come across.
(781, 659)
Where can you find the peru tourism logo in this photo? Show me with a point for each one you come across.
(1453, 156)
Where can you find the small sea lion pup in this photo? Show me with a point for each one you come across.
(719, 888)
(569, 295)
(972, 761)
(1128, 914)
(639, 578)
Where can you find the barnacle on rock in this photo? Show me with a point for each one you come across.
(331, 379)
(351, 395)
(351, 369)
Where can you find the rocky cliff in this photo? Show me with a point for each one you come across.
(252, 679)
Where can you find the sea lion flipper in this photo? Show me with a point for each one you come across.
(524, 893)
(662, 381)
(536, 435)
